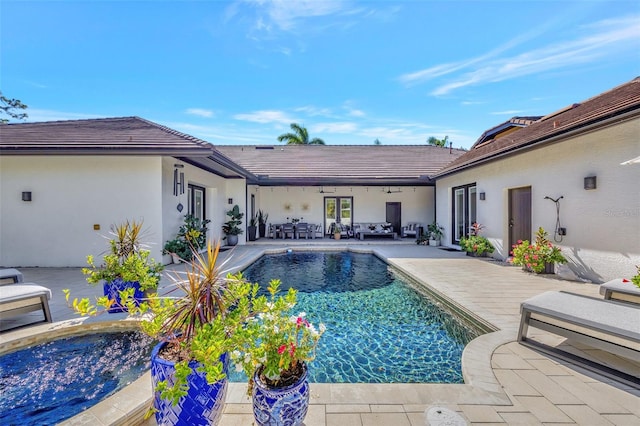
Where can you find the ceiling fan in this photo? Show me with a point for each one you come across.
(322, 191)
(389, 191)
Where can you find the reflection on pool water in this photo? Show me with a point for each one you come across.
(48, 383)
(379, 328)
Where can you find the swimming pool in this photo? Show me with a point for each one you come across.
(53, 381)
(380, 329)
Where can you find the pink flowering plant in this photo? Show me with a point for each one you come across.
(276, 343)
(535, 256)
(476, 243)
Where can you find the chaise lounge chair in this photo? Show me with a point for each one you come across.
(603, 324)
(17, 299)
(620, 289)
(10, 276)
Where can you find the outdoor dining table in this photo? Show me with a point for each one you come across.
(282, 230)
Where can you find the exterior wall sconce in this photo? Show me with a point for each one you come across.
(482, 196)
(590, 183)
(230, 201)
(26, 196)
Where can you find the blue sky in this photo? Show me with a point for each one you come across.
(239, 72)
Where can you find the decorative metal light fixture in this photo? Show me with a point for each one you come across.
(482, 196)
(26, 196)
(178, 180)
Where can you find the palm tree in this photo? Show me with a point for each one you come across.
(299, 137)
(438, 142)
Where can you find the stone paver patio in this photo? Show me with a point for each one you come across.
(505, 382)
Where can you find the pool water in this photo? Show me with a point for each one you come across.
(379, 328)
(51, 382)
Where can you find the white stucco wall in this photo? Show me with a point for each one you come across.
(368, 203)
(70, 196)
(603, 225)
(215, 199)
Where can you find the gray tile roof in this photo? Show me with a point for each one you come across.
(335, 164)
(618, 103)
(104, 136)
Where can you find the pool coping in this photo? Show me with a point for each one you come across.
(131, 403)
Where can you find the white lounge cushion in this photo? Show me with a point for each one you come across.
(10, 276)
(10, 293)
(604, 315)
(621, 286)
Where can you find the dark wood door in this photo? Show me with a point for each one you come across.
(393, 215)
(519, 215)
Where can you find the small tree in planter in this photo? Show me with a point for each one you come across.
(475, 244)
(231, 227)
(200, 319)
(435, 233)
(252, 228)
(262, 223)
(539, 257)
(127, 268)
(192, 236)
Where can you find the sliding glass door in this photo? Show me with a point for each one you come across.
(464, 211)
(337, 210)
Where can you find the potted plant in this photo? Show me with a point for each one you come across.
(475, 244)
(539, 257)
(273, 353)
(127, 267)
(232, 226)
(336, 231)
(435, 233)
(423, 238)
(198, 322)
(262, 223)
(192, 236)
(252, 228)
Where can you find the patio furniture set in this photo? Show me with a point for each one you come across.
(294, 231)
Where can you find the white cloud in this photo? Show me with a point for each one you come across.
(200, 112)
(339, 127)
(595, 42)
(265, 116)
(313, 111)
(286, 14)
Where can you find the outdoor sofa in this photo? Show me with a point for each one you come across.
(375, 229)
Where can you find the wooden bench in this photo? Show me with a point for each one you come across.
(619, 289)
(17, 299)
(604, 324)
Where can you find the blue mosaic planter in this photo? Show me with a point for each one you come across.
(203, 403)
(112, 290)
(281, 406)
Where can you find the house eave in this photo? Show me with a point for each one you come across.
(539, 143)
